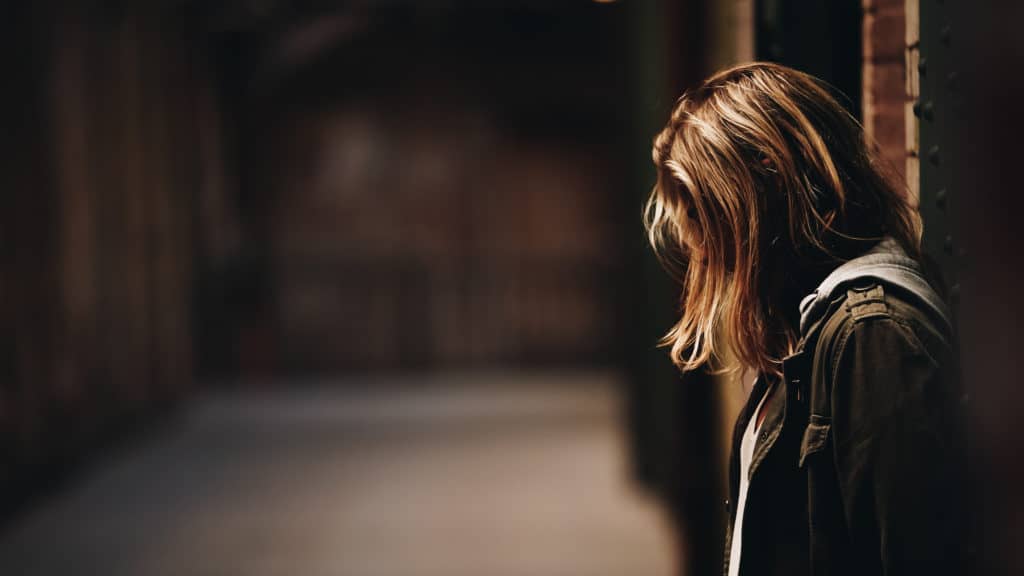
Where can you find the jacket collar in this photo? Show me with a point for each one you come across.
(886, 262)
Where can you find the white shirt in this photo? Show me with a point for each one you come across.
(746, 455)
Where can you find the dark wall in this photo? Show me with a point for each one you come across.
(820, 38)
(983, 45)
(97, 236)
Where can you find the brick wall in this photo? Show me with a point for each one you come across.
(890, 83)
(884, 80)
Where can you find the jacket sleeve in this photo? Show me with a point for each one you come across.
(893, 450)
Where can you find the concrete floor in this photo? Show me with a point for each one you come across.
(456, 476)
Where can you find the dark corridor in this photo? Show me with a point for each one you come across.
(324, 287)
(449, 166)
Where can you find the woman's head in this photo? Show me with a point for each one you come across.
(762, 174)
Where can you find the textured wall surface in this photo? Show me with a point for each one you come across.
(97, 238)
(886, 100)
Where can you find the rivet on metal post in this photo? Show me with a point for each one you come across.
(928, 110)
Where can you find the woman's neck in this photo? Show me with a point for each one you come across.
(797, 280)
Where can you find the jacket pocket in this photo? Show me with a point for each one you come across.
(816, 437)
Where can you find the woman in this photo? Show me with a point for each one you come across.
(799, 257)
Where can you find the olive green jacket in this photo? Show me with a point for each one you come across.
(859, 465)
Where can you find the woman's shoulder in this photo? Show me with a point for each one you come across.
(882, 350)
(877, 309)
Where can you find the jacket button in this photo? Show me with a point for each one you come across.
(728, 506)
(764, 436)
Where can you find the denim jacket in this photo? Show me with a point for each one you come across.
(859, 464)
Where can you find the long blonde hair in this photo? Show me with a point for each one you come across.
(761, 168)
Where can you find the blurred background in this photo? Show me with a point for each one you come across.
(360, 287)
